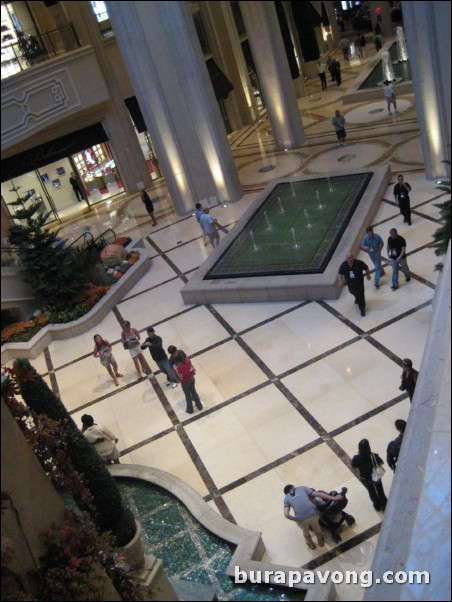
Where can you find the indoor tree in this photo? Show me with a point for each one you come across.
(55, 273)
(442, 235)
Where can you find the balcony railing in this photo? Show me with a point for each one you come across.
(31, 50)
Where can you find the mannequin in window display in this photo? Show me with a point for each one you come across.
(77, 187)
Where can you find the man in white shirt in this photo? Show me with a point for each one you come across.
(390, 96)
(321, 70)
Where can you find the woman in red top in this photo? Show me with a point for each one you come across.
(185, 372)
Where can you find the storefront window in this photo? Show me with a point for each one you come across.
(100, 10)
(67, 185)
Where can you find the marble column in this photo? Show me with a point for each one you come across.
(121, 135)
(269, 56)
(160, 46)
(427, 31)
(241, 105)
(299, 82)
(334, 27)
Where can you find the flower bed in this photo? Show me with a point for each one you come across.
(52, 332)
(24, 331)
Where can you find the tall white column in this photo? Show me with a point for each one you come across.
(299, 82)
(241, 105)
(427, 31)
(160, 47)
(334, 27)
(264, 35)
(126, 147)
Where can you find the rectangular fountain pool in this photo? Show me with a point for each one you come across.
(296, 229)
(289, 243)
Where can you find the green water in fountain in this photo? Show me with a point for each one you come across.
(401, 70)
(295, 230)
(188, 551)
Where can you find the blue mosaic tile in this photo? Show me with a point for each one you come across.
(213, 544)
(178, 555)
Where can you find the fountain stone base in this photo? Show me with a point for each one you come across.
(262, 284)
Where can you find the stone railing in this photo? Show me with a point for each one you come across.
(51, 332)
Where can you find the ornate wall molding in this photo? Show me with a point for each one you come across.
(33, 105)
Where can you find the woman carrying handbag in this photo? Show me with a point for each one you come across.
(370, 467)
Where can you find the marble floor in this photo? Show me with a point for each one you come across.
(288, 388)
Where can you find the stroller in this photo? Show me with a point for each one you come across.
(332, 514)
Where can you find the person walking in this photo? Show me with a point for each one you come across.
(397, 255)
(199, 213)
(336, 72)
(209, 226)
(130, 338)
(373, 244)
(321, 70)
(158, 354)
(330, 63)
(339, 124)
(149, 206)
(186, 373)
(401, 194)
(77, 187)
(389, 95)
(102, 350)
(357, 43)
(409, 378)
(301, 501)
(378, 39)
(102, 439)
(363, 43)
(393, 449)
(345, 47)
(365, 461)
(352, 271)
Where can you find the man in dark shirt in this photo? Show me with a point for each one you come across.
(393, 450)
(402, 198)
(77, 187)
(397, 256)
(158, 354)
(352, 270)
(409, 378)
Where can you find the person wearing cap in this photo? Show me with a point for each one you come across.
(301, 501)
(102, 439)
(158, 354)
(209, 227)
(409, 378)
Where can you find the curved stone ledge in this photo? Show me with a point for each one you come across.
(55, 332)
(250, 547)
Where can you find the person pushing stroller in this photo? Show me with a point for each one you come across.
(301, 501)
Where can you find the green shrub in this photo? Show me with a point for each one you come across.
(110, 514)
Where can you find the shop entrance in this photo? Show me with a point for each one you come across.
(68, 185)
